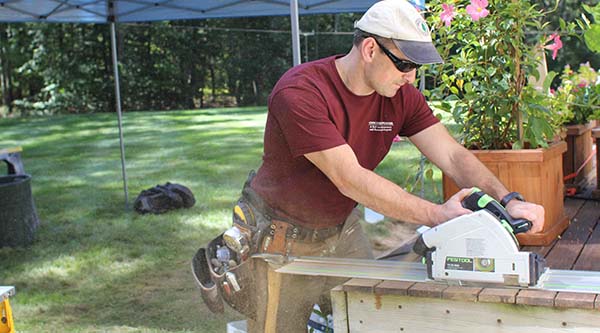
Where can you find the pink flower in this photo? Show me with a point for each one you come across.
(477, 9)
(448, 14)
(397, 138)
(557, 45)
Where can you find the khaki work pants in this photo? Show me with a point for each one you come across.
(289, 311)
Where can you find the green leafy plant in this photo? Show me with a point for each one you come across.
(578, 95)
(490, 57)
(591, 29)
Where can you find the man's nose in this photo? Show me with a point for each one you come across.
(411, 76)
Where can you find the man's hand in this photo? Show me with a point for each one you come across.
(527, 210)
(452, 208)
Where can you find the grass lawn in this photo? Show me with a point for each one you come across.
(96, 267)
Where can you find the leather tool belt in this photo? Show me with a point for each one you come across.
(288, 227)
(227, 275)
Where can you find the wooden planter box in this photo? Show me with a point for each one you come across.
(535, 173)
(596, 136)
(579, 148)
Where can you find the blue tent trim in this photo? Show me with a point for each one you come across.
(103, 11)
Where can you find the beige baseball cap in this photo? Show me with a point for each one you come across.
(400, 21)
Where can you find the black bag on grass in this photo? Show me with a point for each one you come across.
(162, 198)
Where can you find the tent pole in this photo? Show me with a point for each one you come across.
(295, 31)
(115, 61)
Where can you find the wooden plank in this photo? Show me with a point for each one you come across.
(393, 288)
(569, 246)
(498, 295)
(568, 158)
(578, 129)
(410, 314)
(458, 293)
(597, 303)
(579, 140)
(575, 300)
(596, 136)
(541, 250)
(361, 285)
(339, 308)
(536, 297)
(423, 289)
(522, 155)
(572, 207)
(589, 259)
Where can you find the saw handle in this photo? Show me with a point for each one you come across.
(478, 200)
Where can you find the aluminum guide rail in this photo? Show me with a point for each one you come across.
(551, 279)
(356, 268)
(570, 281)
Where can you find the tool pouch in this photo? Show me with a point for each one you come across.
(208, 288)
(235, 285)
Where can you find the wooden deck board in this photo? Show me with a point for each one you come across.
(575, 300)
(572, 207)
(498, 295)
(589, 259)
(567, 249)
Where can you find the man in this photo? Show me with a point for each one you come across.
(330, 123)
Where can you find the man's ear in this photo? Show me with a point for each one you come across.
(367, 49)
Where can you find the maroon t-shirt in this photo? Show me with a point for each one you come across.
(310, 109)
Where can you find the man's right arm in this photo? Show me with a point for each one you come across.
(341, 166)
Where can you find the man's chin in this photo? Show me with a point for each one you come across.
(391, 92)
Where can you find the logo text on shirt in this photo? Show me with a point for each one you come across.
(380, 126)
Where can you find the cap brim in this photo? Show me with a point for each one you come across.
(422, 53)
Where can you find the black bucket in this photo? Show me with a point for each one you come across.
(18, 218)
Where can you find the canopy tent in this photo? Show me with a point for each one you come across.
(112, 11)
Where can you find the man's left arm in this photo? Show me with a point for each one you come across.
(467, 171)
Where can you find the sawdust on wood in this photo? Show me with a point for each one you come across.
(397, 234)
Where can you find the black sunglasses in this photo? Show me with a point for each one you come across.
(404, 66)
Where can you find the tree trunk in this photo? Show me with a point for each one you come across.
(6, 82)
(213, 85)
(191, 91)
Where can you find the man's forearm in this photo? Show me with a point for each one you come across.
(364, 186)
(389, 199)
(470, 172)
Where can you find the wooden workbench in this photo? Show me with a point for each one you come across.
(390, 306)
